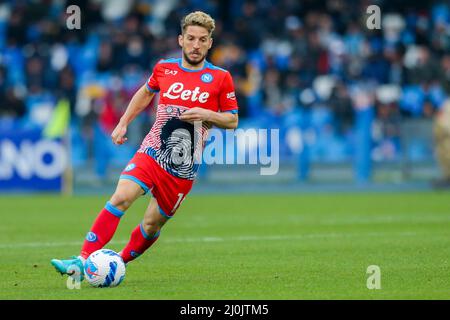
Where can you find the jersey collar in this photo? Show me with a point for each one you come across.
(205, 65)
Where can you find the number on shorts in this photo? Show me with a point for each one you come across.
(180, 198)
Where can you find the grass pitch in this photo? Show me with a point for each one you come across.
(241, 247)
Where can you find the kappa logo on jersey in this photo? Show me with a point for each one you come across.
(231, 95)
(207, 77)
(176, 91)
(171, 72)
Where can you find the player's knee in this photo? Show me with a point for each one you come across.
(151, 227)
(121, 201)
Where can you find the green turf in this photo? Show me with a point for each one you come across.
(241, 247)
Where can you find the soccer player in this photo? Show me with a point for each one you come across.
(191, 91)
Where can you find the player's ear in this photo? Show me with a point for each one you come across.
(210, 43)
(180, 40)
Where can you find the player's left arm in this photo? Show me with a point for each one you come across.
(222, 120)
(227, 118)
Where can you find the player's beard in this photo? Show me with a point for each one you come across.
(193, 62)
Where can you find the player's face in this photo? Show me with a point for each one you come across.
(195, 43)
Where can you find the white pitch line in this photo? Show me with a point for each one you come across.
(219, 239)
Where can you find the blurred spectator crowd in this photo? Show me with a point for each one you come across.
(306, 67)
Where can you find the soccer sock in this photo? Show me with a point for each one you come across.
(102, 230)
(139, 242)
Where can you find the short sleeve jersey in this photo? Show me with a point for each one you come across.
(175, 144)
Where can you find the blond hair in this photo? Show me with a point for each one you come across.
(198, 18)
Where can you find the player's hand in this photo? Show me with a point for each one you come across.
(196, 114)
(118, 135)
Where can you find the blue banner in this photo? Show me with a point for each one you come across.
(29, 162)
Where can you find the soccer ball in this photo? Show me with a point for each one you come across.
(104, 268)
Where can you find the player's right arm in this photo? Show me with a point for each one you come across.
(138, 103)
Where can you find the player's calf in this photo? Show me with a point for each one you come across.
(109, 217)
(139, 242)
(102, 230)
(145, 234)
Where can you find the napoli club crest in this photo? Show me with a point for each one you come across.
(207, 77)
(91, 237)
